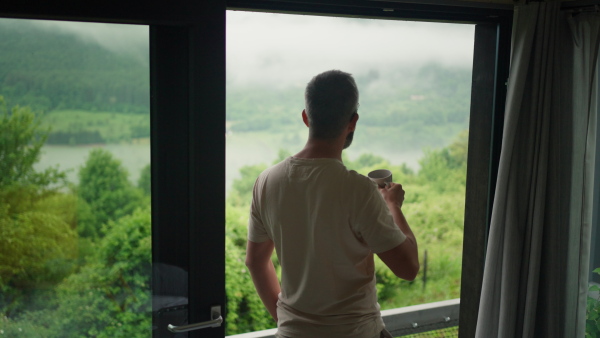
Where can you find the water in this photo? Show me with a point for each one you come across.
(134, 157)
(241, 149)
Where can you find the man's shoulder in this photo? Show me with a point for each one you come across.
(359, 179)
(276, 167)
(273, 170)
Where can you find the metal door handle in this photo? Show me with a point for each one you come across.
(216, 321)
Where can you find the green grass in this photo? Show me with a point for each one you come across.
(443, 283)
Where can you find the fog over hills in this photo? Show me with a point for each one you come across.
(46, 67)
(413, 77)
(302, 46)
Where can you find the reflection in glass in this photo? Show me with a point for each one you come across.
(75, 254)
(414, 80)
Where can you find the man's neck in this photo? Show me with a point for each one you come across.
(317, 148)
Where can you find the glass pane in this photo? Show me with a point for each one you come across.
(414, 80)
(75, 255)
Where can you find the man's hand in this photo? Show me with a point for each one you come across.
(393, 194)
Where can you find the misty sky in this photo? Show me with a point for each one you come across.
(282, 49)
(290, 49)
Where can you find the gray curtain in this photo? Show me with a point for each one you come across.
(536, 269)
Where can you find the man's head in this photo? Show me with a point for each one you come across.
(331, 100)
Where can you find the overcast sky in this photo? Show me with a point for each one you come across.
(286, 49)
(265, 47)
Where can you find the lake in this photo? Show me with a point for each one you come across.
(242, 149)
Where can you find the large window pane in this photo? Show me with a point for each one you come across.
(75, 255)
(414, 80)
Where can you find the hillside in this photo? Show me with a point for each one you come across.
(82, 83)
(50, 70)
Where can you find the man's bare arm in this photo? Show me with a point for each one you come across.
(403, 260)
(258, 261)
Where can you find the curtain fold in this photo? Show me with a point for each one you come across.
(535, 277)
(585, 31)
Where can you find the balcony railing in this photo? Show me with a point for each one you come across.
(402, 321)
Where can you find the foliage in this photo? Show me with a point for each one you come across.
(241, 192)
(452, 159)
(55, 271)
(114, 289)
(144, 182)
(20, 143)
(38, 244)
(88, 127)
(592, 322)
(245, 310)
(49, 70)
(107, 297)
(104, 186)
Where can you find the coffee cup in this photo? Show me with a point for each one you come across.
(381, 177)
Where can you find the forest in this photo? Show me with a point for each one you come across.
(77, 253)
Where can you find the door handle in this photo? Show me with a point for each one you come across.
(216, 321)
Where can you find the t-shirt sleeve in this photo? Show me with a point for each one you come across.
(257, 232)
(375, 224)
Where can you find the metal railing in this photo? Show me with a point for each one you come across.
(402, 321)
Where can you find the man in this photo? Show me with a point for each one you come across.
(325, 223)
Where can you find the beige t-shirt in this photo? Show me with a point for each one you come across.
(326, 223)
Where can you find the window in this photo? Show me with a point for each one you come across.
(75, 188)
(414, 80)
(187, 221)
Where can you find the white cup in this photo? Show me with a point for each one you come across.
(381, 177)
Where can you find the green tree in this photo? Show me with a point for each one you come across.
(21, 140)
(245, 310)
(241, 192)
(38, 244)
(144, 182)
(445, 169)
(104, 186)
(110, 296)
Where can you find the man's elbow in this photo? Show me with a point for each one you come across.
(250, 263)
(403, 260)
(411, 271)
(407, 271)
(256, 265)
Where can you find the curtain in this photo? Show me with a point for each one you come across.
(536, 270)
(585, 30)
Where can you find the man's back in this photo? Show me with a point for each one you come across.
(326, 223)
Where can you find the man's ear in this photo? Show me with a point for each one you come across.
(353, 120)
(305, 118)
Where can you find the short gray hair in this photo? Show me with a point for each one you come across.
(331, 100)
